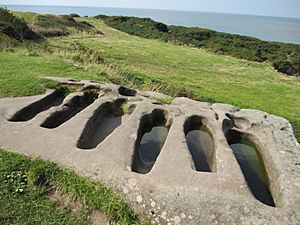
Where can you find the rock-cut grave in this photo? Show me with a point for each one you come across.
(187, 162)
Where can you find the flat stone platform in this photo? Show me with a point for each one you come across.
(98, 130)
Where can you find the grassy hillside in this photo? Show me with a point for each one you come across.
(116, 54)
(284, 57)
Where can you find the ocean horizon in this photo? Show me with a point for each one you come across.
(268, 28)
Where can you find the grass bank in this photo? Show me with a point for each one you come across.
(27, 188)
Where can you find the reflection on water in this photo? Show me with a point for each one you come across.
(150, 146)
(253, 169)
(152, 133)
(201, 147)
(152, 143)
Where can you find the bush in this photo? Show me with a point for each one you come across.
(136, 26)
(74, 15)
(15, 28)
(51, 25)
(287, 67)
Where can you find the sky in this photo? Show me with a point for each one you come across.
(281, 8)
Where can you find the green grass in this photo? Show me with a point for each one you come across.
(24, 194)
(208, 76)
(162, 100)
(29, 17)
(21, 74)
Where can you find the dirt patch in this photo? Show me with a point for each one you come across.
(65, 201)
(97, 218)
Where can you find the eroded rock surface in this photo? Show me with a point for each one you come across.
(104, 138)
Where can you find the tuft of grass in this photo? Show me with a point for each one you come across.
(162, 100)
(51, 84)
(124, 107)
(296, 126)
(117, 76)
(25, 186)
(120, 108)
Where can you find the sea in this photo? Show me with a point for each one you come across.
(263, 27)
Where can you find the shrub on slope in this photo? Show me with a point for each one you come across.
(15, 28)
(51, 25)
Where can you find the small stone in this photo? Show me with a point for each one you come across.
(177, 220)
(132, 183)
(125, 190)
(228, 208)
(128, 168)
(169, 224)
(152, 213)
(133, 136)
(212, 217)
(139, 199)
(246, 210)
(163, 215)
(183, 216)
(190, 217)
(242, 218)
(153, 204)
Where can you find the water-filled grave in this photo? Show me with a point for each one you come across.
(152, 133)
(252, 166)
(200, 144)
